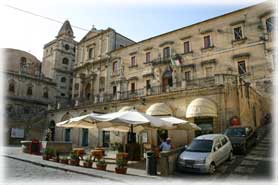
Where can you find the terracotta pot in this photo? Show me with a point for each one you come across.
(64, 161)
(56, 159)
(87, 164)
(74, 162)
(46, 157)
(121, 170)
(101, 167)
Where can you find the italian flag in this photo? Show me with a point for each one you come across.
(176, 62)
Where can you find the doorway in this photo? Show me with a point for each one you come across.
(167, 80)
(205, 123)
(85, 136)
(105, 138)
(67, 134)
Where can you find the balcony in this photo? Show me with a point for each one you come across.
(182, 85)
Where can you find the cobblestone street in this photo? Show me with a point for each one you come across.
(19, 171)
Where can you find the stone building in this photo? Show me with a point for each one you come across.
(28, 96)
(208, 73)
(91, 77)
(58, 62)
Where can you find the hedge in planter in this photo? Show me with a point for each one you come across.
(121, 166)
(88, 162)
(64, 159)
(48, 153)
(74, 159)
(101, 164)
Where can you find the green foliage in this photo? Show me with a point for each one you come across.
(49, 151)
(74, 156)
(117, 146)
(121, 163)
(101, 162)
(88, 159)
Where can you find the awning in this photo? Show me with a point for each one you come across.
(201, 107)
(159, 109)
(126, 108)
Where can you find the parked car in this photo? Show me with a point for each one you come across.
(241, 137)
(205, 153)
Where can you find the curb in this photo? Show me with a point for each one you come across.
(76, 171)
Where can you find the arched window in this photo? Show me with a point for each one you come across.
(30, 91)
(91, 53)
(115, 66)
(11, 87)
(23, 61)
(67, 47)
(63, 79)
(65, 61)
(23, 64)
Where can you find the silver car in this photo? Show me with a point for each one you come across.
(205, 153)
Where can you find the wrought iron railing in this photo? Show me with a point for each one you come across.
(160, 89)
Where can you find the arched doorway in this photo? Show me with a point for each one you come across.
(88, 91)
(167, 80)
(52, 129)
(204, 112)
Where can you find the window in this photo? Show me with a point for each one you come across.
(269, 24)
(67, 47)
(114, 90)
(238, 33)
(148, 84)
(241, 67)
(63, 94)
(23, 61)
(115, 66)
(132, 87)
(133, 61)
(187, 75)
(29, 91)
(186, 47)
(63, 79)
(76, 86)
(65, 61)
(166, 52)
(11, 88)
(91, 53)
(148, 57)
(45, 93)
(207, 42)
(208, 71)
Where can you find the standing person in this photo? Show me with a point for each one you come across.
(166, 145)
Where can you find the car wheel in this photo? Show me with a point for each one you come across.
(212, 168)
(230, 156)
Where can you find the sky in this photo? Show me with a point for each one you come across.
(137, 20)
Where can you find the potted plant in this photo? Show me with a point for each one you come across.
(74, 159)
(121, 166)
(63, 159)
(56, 158)
(88, 162)
(48, 153)
(101, 164)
